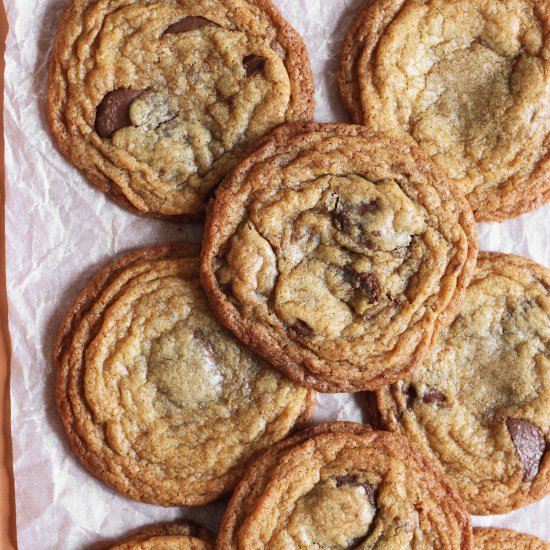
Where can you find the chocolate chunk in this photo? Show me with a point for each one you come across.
(343, 219)
(370, 283)
(366, 207)
(346, 480)
(302, 329)
(253, 64)
(410, 395)
(353, 480)
(369, 491)
(433, 395)
(530, 445)
(189, 24)
(199, 335)
(350, 215)
(113, 112)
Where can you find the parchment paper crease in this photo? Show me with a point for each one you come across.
(60, 231)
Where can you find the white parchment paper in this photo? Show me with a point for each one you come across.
(60, 231)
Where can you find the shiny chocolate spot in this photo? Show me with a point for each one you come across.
(189, 24)
(253, 64)
(113, 112)
(302, 329)
(433, 395)
(530, 445)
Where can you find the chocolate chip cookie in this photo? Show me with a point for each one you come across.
(157, 399)
(337, 254)
(183, 535)
(469, 82)
(506, 539)
(343, 485)
(155, 101)
(481, 406)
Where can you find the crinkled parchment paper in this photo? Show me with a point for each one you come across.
(60, 231)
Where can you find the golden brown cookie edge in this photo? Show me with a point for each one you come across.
(490, 538)
(183, 528)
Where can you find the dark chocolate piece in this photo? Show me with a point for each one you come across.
(113, 112)
(302, 329)
(530, 445)
(189, 24)
(253, 64)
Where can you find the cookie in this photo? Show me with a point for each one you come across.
(337, 254)
(157, 398)
(481, 406)
(466, 80)
(183, 535)
(506, 539)
(156, 101)
(343, 485)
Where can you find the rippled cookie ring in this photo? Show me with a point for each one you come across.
(466, 80)
(157, 398)
(481, 406)
(337, 254)
(506, 539)
(155, 101)
(183, 535)
(340, 486)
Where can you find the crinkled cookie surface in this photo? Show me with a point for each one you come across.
(183, 535)
(469, 82)
(337, 254)
(341, 486)
(481, 406)
(157, 398)
(155, 101)
(506, 539)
